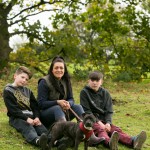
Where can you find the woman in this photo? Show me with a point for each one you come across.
(55, 94)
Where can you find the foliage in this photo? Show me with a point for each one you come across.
(33, 56)
(81, 73)
(95, 32)
(146, 5)
(111, 32)
(19, 16)
(123, 76)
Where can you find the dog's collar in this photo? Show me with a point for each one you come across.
(87, 132)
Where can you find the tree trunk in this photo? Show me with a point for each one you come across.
(4, 38)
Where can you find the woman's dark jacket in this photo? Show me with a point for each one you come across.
(48, 94)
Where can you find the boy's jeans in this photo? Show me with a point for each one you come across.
(29, 132)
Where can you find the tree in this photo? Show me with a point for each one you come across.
(113, 34)
(17, 12)
(146, 5)
(105, 34)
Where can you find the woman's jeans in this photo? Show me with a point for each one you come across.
(55, 113)
(29, 132)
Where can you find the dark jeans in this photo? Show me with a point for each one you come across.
(29, 132)
(55, 113)
(123, 137)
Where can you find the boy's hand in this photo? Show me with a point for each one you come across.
(37, 121)
(107, 127)
(30, 121)
(101, 124)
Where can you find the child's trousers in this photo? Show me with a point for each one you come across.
(29, 132)
(123, 137)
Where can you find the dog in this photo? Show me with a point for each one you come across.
(77, 132)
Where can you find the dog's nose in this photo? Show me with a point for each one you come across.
(89, 124)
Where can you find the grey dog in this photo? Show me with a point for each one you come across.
(77, 132)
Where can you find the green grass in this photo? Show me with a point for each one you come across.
(131, 113)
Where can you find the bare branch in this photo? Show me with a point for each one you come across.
(31, 15)
(25, 63)
(33, 7)
(61, 51)
(33, 35)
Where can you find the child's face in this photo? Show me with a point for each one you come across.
(21, 79)
(95, 84)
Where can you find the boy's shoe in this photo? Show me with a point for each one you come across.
(113, 143)
(139, 140)
(43, 141)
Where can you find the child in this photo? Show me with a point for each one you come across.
(22, 109)
(97, 100)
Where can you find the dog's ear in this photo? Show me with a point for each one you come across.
(84, 114)
(95, 118)
(88, 114)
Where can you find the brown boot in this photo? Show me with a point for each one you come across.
(94, 140)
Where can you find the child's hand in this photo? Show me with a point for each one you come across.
(101, 124)
(30, 121)
(37, 122)
(107, 127)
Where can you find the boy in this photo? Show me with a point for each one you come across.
(97, 100)
(22, 109)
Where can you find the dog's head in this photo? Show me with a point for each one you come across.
(88, 121)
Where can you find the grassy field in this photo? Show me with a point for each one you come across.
(131, 113)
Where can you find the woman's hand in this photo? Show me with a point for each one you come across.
(64, 104)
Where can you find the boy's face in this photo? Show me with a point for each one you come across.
(21, 79)
(95, 84)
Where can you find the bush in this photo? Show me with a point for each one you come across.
(80, 74)
(123, 76)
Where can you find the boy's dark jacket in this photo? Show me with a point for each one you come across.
(91, 100)
(19, 99)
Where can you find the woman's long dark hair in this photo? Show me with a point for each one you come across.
(65, 77)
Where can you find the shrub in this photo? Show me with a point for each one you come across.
(123, 76)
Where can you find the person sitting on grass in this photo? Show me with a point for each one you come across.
(97, 100)
(23, 109)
